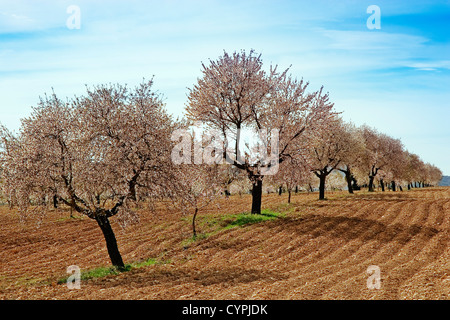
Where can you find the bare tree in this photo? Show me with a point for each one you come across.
(291, 174)
(196, 187)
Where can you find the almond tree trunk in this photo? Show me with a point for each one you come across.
(111, 242)
(55, 202)
(348, 178)
(355, 184)
(194, 231)
(256, 196)
(371, 189)
(322, 187)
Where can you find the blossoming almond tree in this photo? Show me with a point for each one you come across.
(235, 93)
(397, 170)
(434, 175)
(412, 168)
(93, 153)
(291, 174)
(429, 175)
(327, 149)
(351, 160)
(381, 151)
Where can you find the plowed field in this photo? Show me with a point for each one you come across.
(315, 250)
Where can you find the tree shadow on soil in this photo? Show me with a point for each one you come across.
(350, 228)
(162, 275)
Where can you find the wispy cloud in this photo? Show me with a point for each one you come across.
(431, 66)
(373, 41)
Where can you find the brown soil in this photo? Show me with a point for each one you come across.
(318, 250)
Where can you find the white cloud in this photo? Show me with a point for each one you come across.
(15, 22)
(431, 66)
(373, 40)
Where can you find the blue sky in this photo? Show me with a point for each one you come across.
(395, 79)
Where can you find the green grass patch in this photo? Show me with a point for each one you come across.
(243, 219)
(216, 224)
(101, 272)
(199, 236)
(148, 262)
(286, 208)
